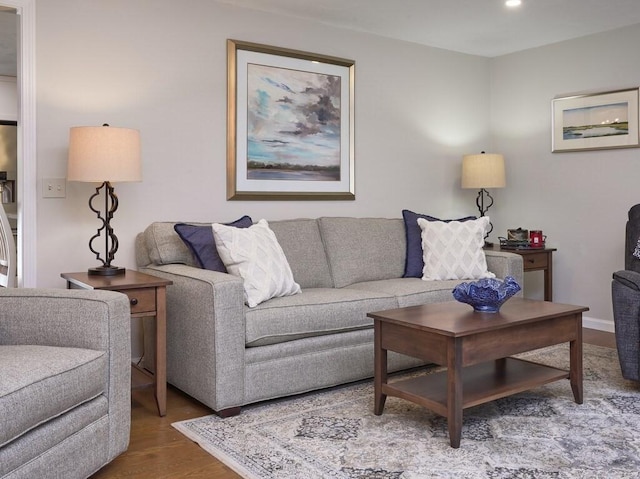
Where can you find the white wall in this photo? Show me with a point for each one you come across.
(579, 199)
(161, 68)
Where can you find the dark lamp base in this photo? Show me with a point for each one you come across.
(106, 271)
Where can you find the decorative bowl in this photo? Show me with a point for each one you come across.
(486, 295)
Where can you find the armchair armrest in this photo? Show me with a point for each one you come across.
(625, 296)
(630, 279)
(96, 320)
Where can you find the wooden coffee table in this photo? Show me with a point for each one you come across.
(475, 348)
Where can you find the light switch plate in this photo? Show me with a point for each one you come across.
(54, 187)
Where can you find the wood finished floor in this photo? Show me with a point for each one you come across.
(156, 450)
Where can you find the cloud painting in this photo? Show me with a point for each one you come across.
(293, 124)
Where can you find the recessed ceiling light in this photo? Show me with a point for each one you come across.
(513, 3)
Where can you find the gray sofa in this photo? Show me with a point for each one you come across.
(227, 355)
(65, 387)
(625, 296)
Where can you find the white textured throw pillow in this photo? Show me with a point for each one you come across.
(453, 250)
(255, 255)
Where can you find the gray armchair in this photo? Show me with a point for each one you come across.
(65, 381)
(625, 295)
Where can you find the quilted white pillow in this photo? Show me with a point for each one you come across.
(255, 255)
(453, 250)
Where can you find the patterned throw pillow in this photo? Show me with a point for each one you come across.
(413, 263)
(255, 255)
(199, 239)
(453, 250)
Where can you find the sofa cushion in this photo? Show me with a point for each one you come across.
(411, 291)
(255, 255)
(164, 246)
(38, 383)
(302, 245)
(314, 312)
(363, 249)
(199, 239)
(454, 250)
(414, 262)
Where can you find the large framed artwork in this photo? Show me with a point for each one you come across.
(595, 121)
(290, 124)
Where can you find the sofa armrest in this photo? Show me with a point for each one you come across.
(98, 320)
(205, 334)
(504, 263)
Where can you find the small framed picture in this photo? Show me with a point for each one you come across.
(596, 121)
(290, 122)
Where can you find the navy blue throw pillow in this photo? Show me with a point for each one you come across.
(199, 239)
(414, 263)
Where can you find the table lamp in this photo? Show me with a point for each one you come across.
(483, 171)
(104, 154)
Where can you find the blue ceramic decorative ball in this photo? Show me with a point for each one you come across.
(486, 295)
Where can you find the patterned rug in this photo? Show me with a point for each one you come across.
(539, 434)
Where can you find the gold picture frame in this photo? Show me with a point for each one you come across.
(595, 121)
(290, 124)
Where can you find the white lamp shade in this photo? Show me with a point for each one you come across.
(104, 153)
(485, 170)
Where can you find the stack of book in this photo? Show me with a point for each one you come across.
(514, 244)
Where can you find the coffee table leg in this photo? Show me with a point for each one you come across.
(575, 369)
(380, 370)
(454, 392)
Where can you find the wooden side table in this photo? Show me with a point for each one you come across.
(147, 296)
(536, 259)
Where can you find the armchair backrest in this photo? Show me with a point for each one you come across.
(632, 235)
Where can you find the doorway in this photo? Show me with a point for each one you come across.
(26, 180)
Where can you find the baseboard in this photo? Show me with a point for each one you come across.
(598, 324)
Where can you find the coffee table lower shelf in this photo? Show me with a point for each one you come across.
(482, 383)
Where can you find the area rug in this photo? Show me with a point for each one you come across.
(539, 434)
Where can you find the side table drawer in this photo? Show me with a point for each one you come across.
(141, 300)
(536, 260)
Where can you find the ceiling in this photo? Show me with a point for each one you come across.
(479, 27)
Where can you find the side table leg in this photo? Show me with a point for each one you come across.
(575, 369)
(380, 370)
(161, 350)
(548, 279)
(454, 392)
